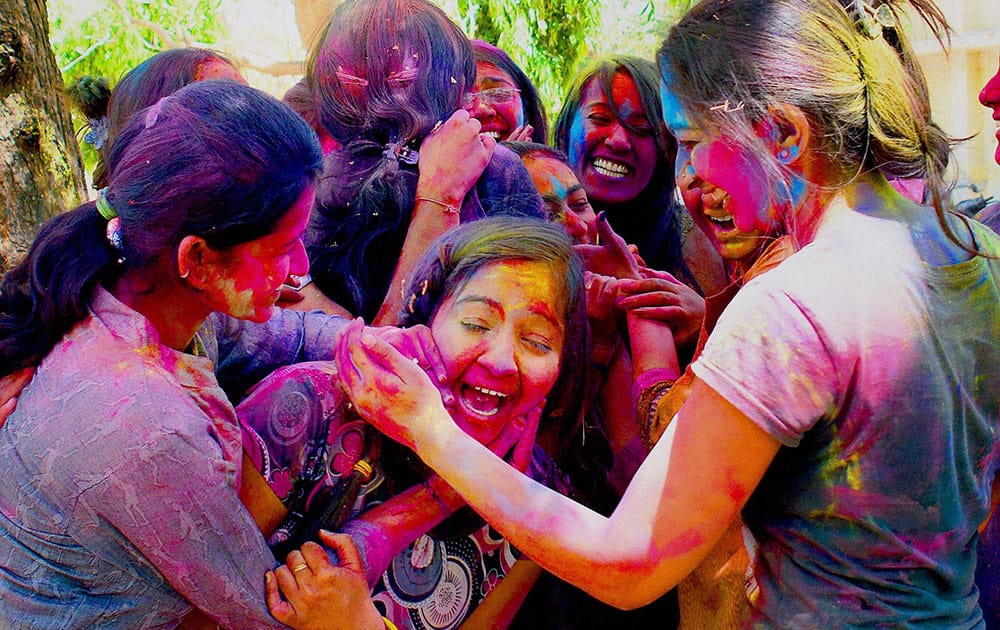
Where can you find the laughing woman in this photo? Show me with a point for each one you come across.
(503, 299)
(611, 127)
(846, 401)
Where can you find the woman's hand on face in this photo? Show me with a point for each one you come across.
(660, 296)
(518, 438)
(613, 257)
(452, 158)
(387, 389)
(309, 592)
(416, 344)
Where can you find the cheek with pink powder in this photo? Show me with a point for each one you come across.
(735, 170)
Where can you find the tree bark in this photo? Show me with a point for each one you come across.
(41, 172)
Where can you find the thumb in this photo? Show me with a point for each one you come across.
(344, 546)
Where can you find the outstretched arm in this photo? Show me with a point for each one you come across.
(677, 506)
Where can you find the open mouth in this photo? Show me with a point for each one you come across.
(493, 134)
(482, 401)
(613, 170)
(723, 222)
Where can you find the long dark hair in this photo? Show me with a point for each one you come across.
(383, 74)
(216, 159)
(531, 102)
(649, 220)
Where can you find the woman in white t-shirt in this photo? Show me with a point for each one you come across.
(846, 403)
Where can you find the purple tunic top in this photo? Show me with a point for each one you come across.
(118, 505)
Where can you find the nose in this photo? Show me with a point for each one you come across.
(618, 139)
(299, 260)
(480, 108)
(990, 95)
(687, 178)
(498, 354)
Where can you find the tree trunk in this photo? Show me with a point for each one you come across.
(311, 16)
(41, 173)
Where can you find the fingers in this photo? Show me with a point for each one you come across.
(298, 565)
(521, 133)
(489, 142)
(288, 295)
(508, 437)
(281, 609)
(521, 457)
(344, 546)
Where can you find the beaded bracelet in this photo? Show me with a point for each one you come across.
(448, 208)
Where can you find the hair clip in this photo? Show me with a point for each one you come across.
(98, 133)
(154, 112)
(402, 153)
(349, 80)
(403, 76)
(870, 20)
(114, 233)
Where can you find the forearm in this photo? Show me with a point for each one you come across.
(562, 536)
(429, 221)
(387, 529)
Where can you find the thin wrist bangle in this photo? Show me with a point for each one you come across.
(388, 624)
(448, 208)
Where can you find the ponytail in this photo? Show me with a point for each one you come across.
(51, 289)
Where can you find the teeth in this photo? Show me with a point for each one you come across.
(722, 219)
(489, 392)
(610, 169)
(493, 134)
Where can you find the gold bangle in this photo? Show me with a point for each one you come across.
(448, 208)
(388, 624)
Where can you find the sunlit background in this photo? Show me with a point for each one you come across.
(107, 37)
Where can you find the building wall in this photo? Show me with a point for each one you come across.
(955, 80)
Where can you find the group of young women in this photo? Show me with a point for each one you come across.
(806, 360)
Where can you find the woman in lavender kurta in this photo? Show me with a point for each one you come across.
(119, 503)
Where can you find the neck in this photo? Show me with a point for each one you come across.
(168, 305)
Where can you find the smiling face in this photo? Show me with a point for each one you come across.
(723, 185)
(496, 103)
(250, 274)
(990, 97)
(501, 343)
(613, 162)
(565, 199)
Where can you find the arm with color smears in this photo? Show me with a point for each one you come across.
(676, 508)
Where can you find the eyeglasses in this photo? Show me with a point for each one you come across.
(492, 96)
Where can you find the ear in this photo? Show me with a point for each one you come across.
(789, 133)
(196, 261)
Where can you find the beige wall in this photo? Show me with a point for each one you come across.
(955, 81)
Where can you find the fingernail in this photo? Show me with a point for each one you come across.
(367, 340)
(268, 577)
(603, 216)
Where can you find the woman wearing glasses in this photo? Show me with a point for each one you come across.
(505, 101)
(388, 77)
